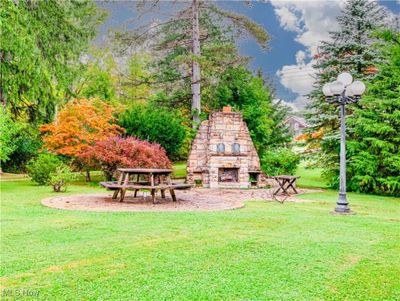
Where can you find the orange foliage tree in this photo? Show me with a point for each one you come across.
(80, 124)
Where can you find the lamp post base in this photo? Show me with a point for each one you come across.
(342, 213)
(342, 205)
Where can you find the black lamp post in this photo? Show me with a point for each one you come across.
(343, 91)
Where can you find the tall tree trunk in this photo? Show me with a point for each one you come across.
(196, 107)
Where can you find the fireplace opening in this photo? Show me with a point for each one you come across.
(228, 175)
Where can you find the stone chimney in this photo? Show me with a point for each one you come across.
(222, 154)
(227, 109)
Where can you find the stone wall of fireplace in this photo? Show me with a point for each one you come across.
(223, 146)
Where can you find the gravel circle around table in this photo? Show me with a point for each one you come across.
(197, 199)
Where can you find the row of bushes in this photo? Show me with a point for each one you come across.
(107, 155)
(82, 122)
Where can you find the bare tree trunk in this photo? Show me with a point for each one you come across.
(88, 178)
(196, 107)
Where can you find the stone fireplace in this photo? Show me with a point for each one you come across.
(223, 154)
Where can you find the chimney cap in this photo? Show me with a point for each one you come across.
(227, 109)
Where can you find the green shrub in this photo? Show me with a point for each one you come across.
(42, 168)
(25, 143)
(60, 178)
(8, 128)
(156, 125)
(280, 162)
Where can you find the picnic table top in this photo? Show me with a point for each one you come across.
(284, 177)
(145, 170)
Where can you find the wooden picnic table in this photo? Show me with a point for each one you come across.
(146, 179)
(284, 183)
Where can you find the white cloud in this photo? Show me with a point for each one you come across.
(312, 21)
(288, 19)
(299, 79)
(300, 57)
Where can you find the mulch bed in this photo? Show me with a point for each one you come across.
(198, 199)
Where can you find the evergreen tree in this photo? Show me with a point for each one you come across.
(173, 67)
(374, 146)
(40, 50)
(350, 49)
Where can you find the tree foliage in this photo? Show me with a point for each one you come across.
(61, 177)
(41, 43)
(19, 142)
(351, 50)
(99, 78)
(248, 94)
(281, 161)
(79, 125)
(374, 146)
(172, 41)
(8, 129)
(153, 124)
(40, 169)
(136, 82)
(116, 152)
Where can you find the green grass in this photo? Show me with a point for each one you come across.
(265, 251)
(179, 169)
(310, 177)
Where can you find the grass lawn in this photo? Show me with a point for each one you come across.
(179, 169)
(265, 251)
(310, 177)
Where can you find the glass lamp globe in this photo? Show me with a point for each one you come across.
(326, 89)
(345, 78)
(358, 87)
(349, 92)
(337, 87)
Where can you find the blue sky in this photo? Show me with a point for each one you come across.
(295, 26)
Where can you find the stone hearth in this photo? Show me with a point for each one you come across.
(223, 154)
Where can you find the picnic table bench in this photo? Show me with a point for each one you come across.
(284, 183)
(154, 179)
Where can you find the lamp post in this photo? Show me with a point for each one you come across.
(343, 91)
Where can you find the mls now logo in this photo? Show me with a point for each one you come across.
(19, 292)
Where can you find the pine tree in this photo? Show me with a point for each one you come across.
(374, 146)
(350, 49)
(174, 65)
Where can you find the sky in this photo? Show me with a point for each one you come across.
(296, 27)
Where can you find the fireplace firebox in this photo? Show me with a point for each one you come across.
(229, 175)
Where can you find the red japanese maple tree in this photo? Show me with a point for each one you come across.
(116, 152)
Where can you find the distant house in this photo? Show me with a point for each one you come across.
(296, 125)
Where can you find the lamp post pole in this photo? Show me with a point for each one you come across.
(342, 204)
(343, 91)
